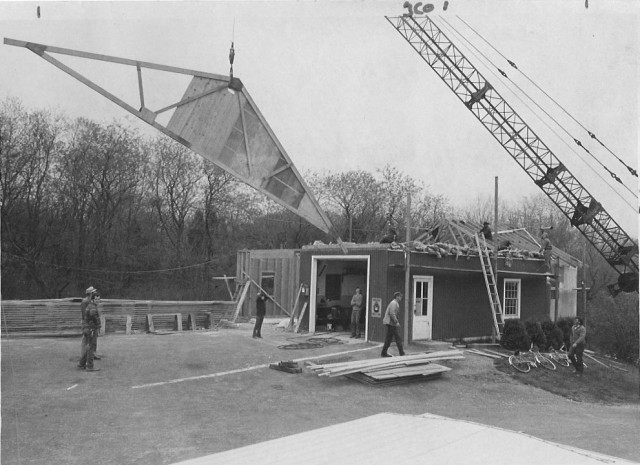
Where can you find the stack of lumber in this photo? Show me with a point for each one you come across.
(392, 370)
(488, 353)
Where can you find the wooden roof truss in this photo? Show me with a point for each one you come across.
(218, 119)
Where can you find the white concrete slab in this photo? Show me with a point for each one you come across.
(393, 438)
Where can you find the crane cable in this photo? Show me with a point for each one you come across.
(591, 134)
(578, 142)
(456, 32)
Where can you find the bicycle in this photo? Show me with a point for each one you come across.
(560, 357)
(524, 361)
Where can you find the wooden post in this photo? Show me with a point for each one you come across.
(304, 309)
(557, 278)
(240, 302)
(272, 299)
(103, 325)
(128, 326)
(228, 287)
(407, 272)
(293, 310)
(179, 321)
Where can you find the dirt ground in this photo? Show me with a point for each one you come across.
(160, 399)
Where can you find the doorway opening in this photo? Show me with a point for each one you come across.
(334, 279)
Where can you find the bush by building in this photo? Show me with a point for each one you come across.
(514, 336)
(553, 334)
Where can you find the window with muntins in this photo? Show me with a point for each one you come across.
(511, 303)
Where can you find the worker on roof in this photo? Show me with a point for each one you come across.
(486, 231)
(545, 249)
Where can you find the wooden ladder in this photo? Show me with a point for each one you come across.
(490, 282)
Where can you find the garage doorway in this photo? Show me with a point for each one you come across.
(334, 279)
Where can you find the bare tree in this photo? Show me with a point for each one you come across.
(29, 143)
(175, 186)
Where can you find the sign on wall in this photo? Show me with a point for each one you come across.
(376, 307)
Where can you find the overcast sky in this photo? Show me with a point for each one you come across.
(342, 90)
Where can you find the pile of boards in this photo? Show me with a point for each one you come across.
(488, 353)
(393, 370)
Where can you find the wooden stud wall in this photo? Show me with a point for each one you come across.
(62, 316)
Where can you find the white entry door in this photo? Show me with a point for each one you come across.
(422, 306)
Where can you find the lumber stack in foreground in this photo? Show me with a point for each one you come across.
(392, 370)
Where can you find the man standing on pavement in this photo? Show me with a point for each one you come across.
(356, 307)
(90, 329)
(90, 295)
(578, 337)
(392, 323)
(260, 312)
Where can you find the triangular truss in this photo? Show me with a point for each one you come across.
(217, 119)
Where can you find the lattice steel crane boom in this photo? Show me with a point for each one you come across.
(519, 140)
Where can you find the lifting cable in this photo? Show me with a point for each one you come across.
(453, 30)
(591, 134)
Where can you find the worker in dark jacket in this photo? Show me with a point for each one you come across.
(260, 312)
(90, 329)
(578, 340)
(486, 231)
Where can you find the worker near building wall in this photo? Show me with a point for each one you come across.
(356, 307)
(260, 312)
(392, 323)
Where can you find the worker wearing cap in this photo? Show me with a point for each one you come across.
(90, 329)
(90, 295)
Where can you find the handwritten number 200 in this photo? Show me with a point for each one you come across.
(415, 9)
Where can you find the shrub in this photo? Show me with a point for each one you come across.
(553, 334)
(612, 325)
(514, 336)
(565, 324)
(536, 335)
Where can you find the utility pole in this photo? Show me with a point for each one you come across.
(495, 256)
(407, 271)
(495, 225)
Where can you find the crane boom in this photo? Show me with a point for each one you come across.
(523, 145)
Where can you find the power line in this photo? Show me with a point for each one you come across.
(454, 31)
(591, 134)
(84, 270)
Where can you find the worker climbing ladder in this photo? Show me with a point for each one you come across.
(490, 282)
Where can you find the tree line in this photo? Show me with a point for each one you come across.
(87, 203)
